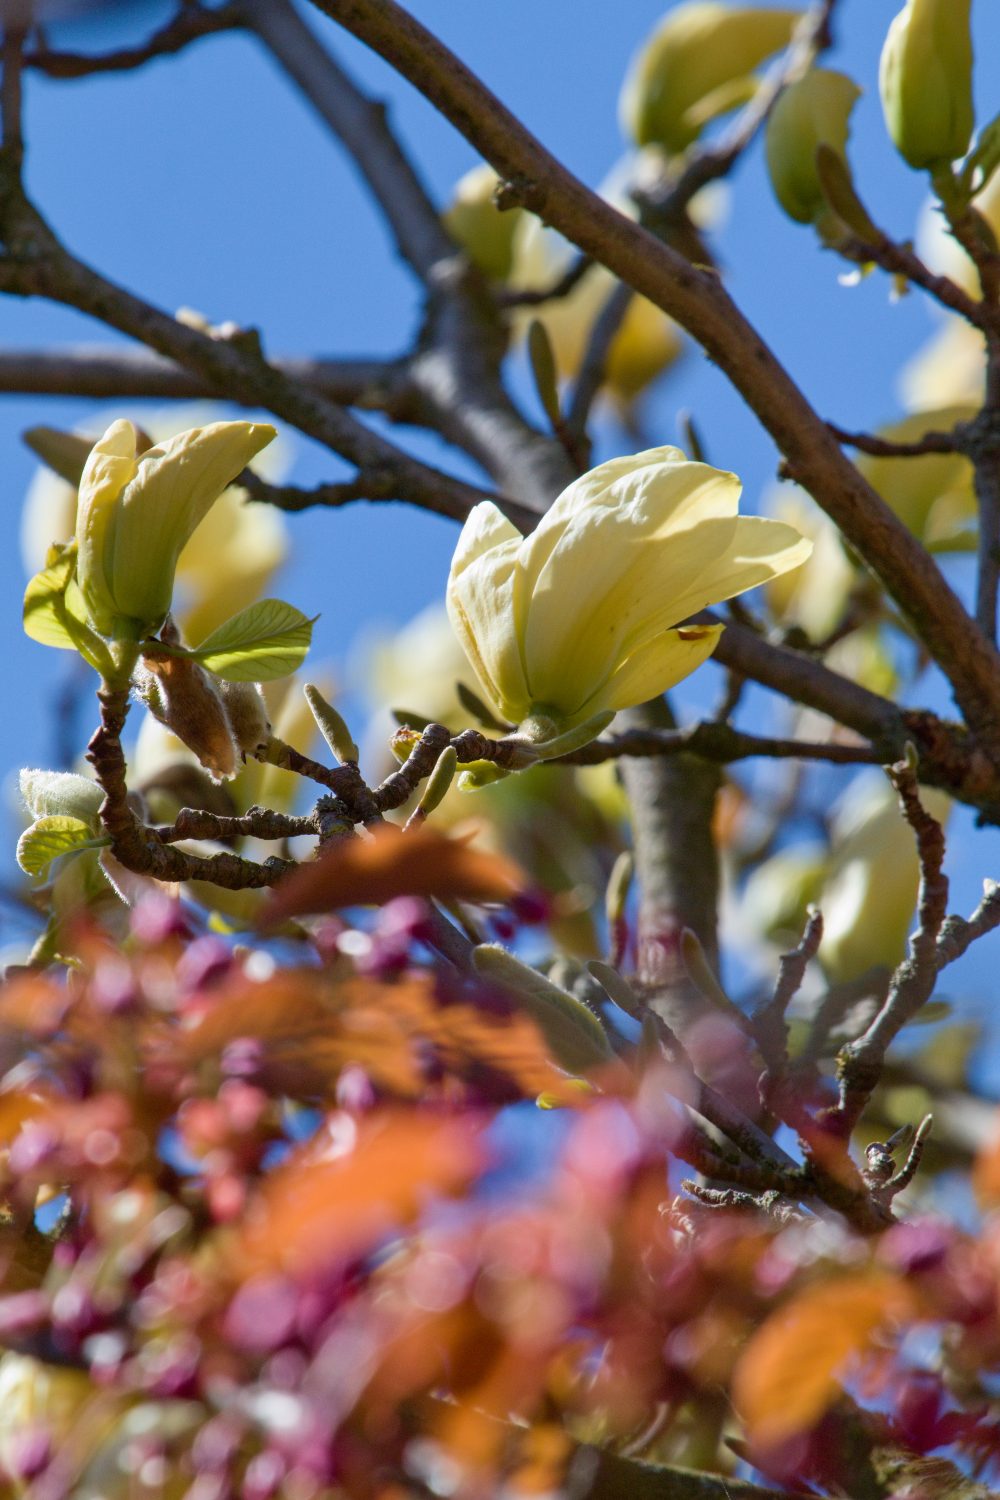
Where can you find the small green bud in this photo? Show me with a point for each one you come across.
(813, 112)
(925, 80)
(543, 368)
(619, 885)
(332, 726)
(439, 780)
(60, 793)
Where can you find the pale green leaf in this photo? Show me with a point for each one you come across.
(54, 614)
(49, 838)
(268, 640)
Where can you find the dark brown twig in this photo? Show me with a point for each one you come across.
(865, 442)
(189, 24)
(912, 984)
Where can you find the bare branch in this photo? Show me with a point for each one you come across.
(912, 984)
(256, 822)
(957, 934)
(716, 742)
(554, 292)
(140, 849)
(865, 442)
(361, 125)
(189, 24)
(768, 1020)
(595, 360)
(237, 371)
(102, 372)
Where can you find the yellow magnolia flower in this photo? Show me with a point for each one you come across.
(812, 112)
(581, 618)
(933, 494)
(870, 894)
(137, 510)
(949, 368)
(698, 64)
(232, 553)
(816, 595)
(925, 79)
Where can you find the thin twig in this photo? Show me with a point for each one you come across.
(717, 742)
(912, 984)
(103, 372)
(555, 291)
(593, 370)
(865, 442)
(188, 25)
(768, 1020)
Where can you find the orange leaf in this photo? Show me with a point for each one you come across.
(368, 872)
(310, 1029)
(788, 1374)
(313, 1214)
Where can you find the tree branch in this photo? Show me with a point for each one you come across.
(105, 372)
(189, 24)
(912, 984)
(237, 372)
(696, 299)
(454, 383)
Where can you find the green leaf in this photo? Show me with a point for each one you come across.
(268, 640)
(49, 838)
(54, 614)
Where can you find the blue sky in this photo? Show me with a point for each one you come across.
(205, 181)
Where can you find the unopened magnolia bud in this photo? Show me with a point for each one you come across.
(925, 80)
(60, 794)
(439, 780)
(331, 726)
(811, 113)
(483, 231)
(186, 698)
(699, 63)
(247, 714)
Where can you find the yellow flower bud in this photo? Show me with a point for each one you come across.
(698, 63)
(934, 493)
(476, 224)
(582, 617)
(870, 895)
(925, 79)
(137, 510)
(815, 111)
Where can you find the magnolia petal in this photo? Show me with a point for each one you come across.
(485, 599)
(110, 467)
(596, 487)
(660, 582)
(175, 484)
(655, 667)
